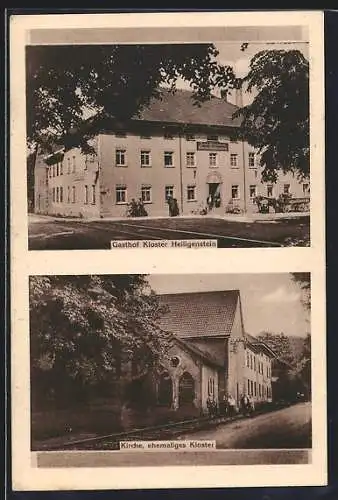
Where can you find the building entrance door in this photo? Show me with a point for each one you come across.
(186, 389)
(214, 195)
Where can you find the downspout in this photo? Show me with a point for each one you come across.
(244, 177)
(181, 169)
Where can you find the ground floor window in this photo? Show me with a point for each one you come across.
(253, 191)
(57, 195)
(73, 194)
(191, 193)
(248, 387)
(168, 192)
(68, 194)
(235, 191)
(93, 194)
(146, 194)
(61, 194)
(86, 195)
(286, 189)
(121, 194)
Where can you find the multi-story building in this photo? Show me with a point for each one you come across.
(213, 356)
(172, 149)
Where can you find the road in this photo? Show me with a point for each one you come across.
(286, 428)
(62, 234)
(281, 437)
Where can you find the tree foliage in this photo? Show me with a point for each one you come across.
(303, 280)
(109, 80)
(86, 329)
(277, 120)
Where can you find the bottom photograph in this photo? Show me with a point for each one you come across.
(189, 369)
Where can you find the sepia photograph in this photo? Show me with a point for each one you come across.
(187, 366)
(206, 140)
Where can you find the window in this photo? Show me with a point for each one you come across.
(255, 388)
(286, 189)
(168, 159)
(234, 160)
(191, 193)
(49, 172)
(249, 387)
(146, 194)
(168, 136)
(306, 189)
(259, 390)
(254, 363)
(86, 195)
(247, 360)
(251, 160)
(269, 190)
(54, 194)
(57, 170)
(145, 159)
(213, 159)
(213, 138)
(235, 191)
(93, 194)
(251, 364)
(57, 195)
(73, 194)
(68, 194)
(120, 158)
(190, 159)
(74, 164)
(53, 170)
(168, 192)
(61, 168)
(68, 161)
(120, 134)
(190, 137)
(121, 194)
(253, 191)
(252, 387)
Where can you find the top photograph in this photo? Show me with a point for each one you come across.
(198, 136)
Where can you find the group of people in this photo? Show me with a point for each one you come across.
(213, 201)
(228, 406)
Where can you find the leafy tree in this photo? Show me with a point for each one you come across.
(280, 344)
(303, 280)
(277, 120)
(114, 81)
(91, 331)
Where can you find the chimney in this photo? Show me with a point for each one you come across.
(239, 97)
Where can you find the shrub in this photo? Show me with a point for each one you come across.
(136, 208)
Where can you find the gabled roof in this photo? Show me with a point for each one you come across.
(203, 355)
(179, 108)
(260, 346)
(199, 314)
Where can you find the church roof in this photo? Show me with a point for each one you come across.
(199, 314)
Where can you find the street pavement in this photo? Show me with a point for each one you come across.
(61, 234)
(281, 437)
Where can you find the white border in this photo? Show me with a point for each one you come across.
(25, 475)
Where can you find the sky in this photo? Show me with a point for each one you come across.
(271, 302)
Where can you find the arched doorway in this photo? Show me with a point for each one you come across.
(186, 389)
(165, 390)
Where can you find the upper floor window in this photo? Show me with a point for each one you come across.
(86, 195)
(233, 160)
(251, 160)
(168, 159)
(145, 159)
(73, 194)
(93, 194)
(190, 159)
(61, 168)
(74, 164)
(213, 159)
(120, 158)
(212, 137)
